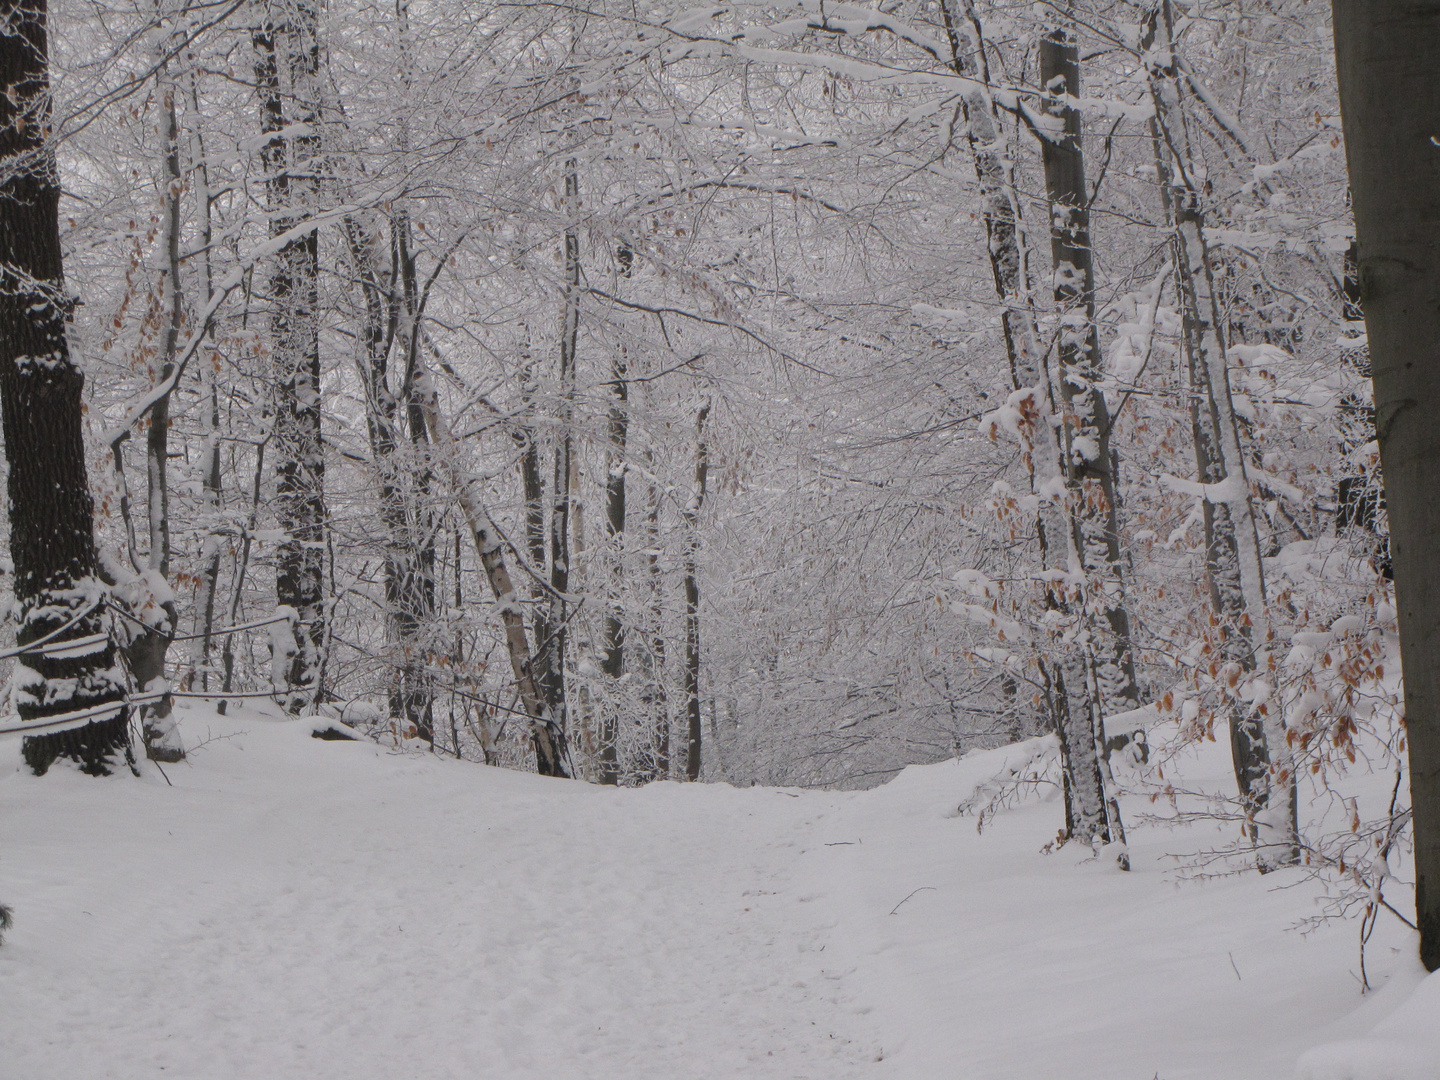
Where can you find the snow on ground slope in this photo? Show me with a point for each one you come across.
(298, 908)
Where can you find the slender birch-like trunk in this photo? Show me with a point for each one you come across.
(1264, 765)
(1385, 54)
(552, 754)
(52, 542)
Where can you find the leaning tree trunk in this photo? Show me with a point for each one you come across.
(692, 596)
(1264, 767)
(1385, 53)
(52, 543)
(287, 60)
(552, 753)
(1085, 457)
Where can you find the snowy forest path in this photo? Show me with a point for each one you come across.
(294, 908)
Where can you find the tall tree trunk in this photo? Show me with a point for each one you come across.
(561, 501)
(287, 49)
(1264, 768)
(415, 611)
(208, 585)
(1385, 54)
(692, 596)
(1086, 431)
(655, 694)
(1009, 269)
(532, 483)
(612, 664)
(1093, 538)
(552, 754)
(146, 653)
(52, 543)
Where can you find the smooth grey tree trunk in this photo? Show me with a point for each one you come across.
(1386, 53)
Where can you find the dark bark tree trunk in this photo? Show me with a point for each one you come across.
(1385, 54)
(612, 664)
(287, 61)
(52, 541)
(1099, 678)
(1086, 431)
(655, 694)
(553, 648)
(692, 597)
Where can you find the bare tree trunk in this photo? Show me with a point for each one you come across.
(287, 59)
(1086, 431)
(146, 653)
(612, 665)
(1264, 768)
(656, 694)
(692, 596)
(561, 501)
(206, 588)
(1009, 268)
(1086, 459)
(552, 754)
(52, 542)
(1385, 54)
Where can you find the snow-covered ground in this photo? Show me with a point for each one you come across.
(293, 908)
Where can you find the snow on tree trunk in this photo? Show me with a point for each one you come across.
(1385, 54)
(1101, 629)
(207, 586)
(146, 651)
(612, 664)
(1264, 765)
(287, 59)
(692, 596)
(1085, 432)
(552, 753)
(1009, 268)
(656, 694)
(553, 646)
(52, 543)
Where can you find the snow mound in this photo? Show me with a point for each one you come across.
(1403, 1046)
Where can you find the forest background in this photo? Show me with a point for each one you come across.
(750, 393)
